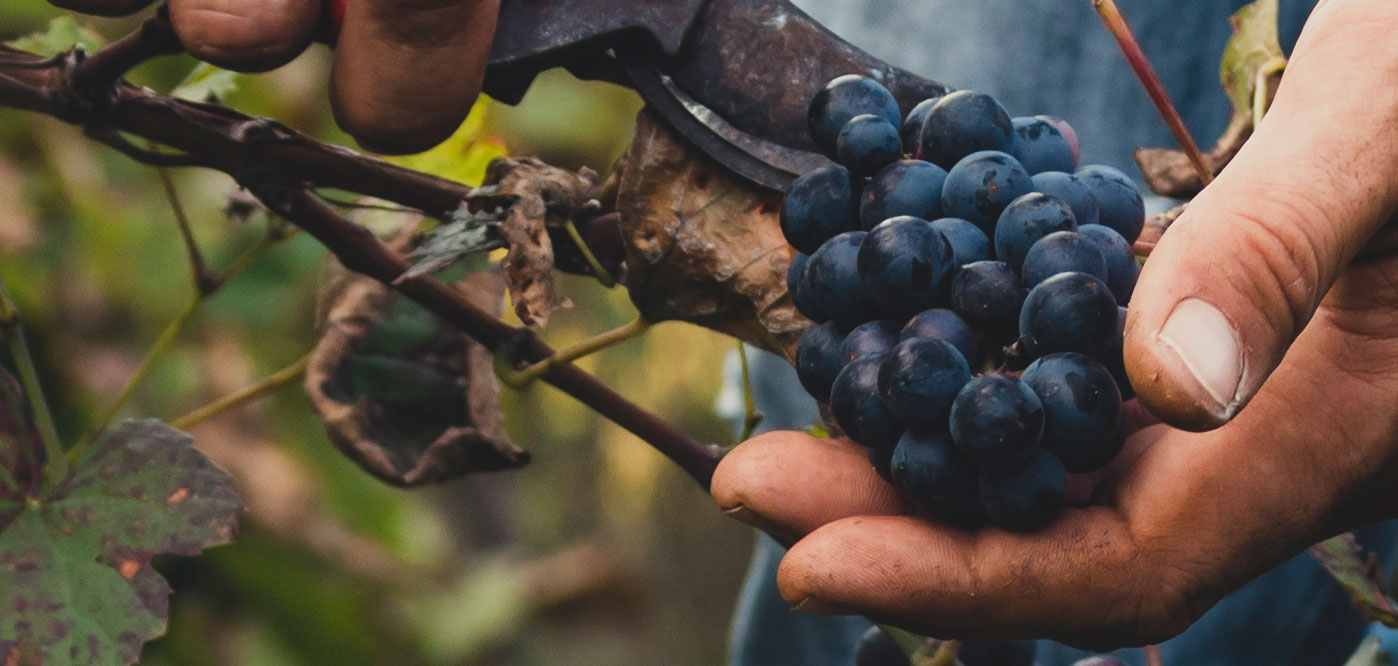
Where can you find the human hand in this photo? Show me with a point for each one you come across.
(406, 72)
(1287, 267)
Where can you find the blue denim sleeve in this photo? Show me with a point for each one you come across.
(1294, 615)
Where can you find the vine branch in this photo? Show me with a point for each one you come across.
(282, 168)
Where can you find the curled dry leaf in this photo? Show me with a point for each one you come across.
(1170, 173)
(540, 192)
(702, 245)
(402, 393)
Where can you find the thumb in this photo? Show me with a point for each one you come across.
(1241, 272)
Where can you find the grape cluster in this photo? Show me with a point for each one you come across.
(969, 283)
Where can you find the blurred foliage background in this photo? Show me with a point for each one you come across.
(599, 552)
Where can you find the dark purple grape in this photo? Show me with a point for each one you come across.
(795, 279)
(819, 205)
(818, 359)
(1072, 191)
(1082, 409)
(1040, 145)
(904, 264)
(832, 278)
(968, 243)
(1115, 362)
(996, 422)
(855, 404)
(877, 648)
(1122, 269)
(906, 187)
(920, 378)
(988, 295)
(1118, 199)
(929, 471)
(842, 99)
(868, 143)
(1024, 497)
(961, 123)
(1025, 221)
(1062, 252)
(1069, 312)
(945, 325)
(875, 337)
(912, 125)
(979, 187)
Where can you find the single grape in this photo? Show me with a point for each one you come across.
(904, 264)
(877, 648)
(968, 243)
(881, 459)
(1071, 190)
(981, 185)
(1025, 221)
(1082, 409)
(920, 378)
(855, 404)
(996, 422)
(1118, 199)
(1024, 497)
(961, 123)
(996, 653)
(1122, 269)
(1070, 135)
(1040, 145)
(1069, 312)
(1062, 252)
(945, 325)
(906, 187)
(842, 99)
(868, 143)
(819, 360)
(875, 337)
(988, 295)
(819, 205)
(1114, 360)
(795, 280)
(932, 474)
(832, 279)
(912, 125)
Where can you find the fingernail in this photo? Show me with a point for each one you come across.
(1208, 347)
(811, 604)
(742, 514)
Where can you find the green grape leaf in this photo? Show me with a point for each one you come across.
(60, 35)
(1361, 575)
(76, 583)
(1253, 47)
(206, 83)
(464, 234)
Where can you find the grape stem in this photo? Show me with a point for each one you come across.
(1153, 655)
(588, 347)
(272, 382)
(1140, 65)
(598, 271)
(55, 464)
(751, 417)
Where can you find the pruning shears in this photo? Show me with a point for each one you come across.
(734, 77)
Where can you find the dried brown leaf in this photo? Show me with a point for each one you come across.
(702, 245)
(402, 393)
(541, 192)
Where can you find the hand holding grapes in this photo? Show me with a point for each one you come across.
(1288, 254)
(406, 71)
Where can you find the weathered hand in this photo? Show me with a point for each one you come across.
(406, 71)
(1284, 271)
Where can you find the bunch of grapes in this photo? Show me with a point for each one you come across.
(968, 280)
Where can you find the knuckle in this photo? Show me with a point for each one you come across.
(1282, 260)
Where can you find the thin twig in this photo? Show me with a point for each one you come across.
(1140, 65)
(572, 353)
(273, 382)
(203, 281)
(751, 417)
(1153, 656)
(55, 465)
(355, 205)
(598, 271)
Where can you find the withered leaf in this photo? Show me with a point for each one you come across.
(541, 192)
(464, 234)
(402, 393)
(1361, 575)
(702, 245)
